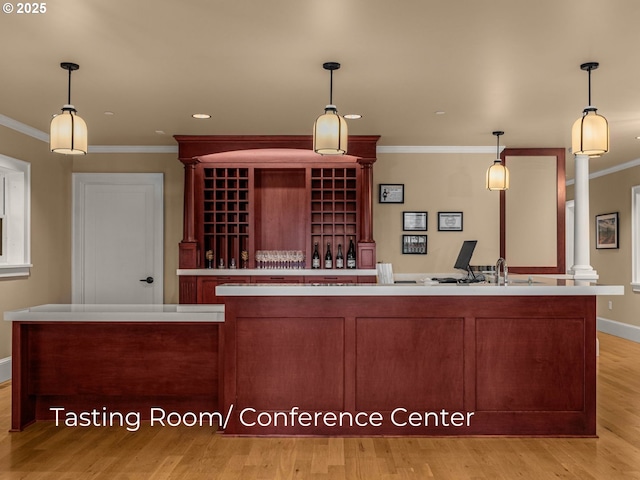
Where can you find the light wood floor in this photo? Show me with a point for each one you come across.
(43, 451)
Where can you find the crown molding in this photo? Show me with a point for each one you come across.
(133, 149)
(608, 171)
(435, 149)
(23, 128)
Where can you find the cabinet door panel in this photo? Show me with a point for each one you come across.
(207, 287)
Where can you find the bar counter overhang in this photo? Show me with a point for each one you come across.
(381, 359)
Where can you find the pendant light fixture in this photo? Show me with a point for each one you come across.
(330, 129)
(590, 133)
(498, 174)
(68, 131)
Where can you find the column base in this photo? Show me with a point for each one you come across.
(583, 272)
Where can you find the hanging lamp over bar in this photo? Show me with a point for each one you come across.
(330, 135)
(498, 174)
(68, 133)
(590, 133)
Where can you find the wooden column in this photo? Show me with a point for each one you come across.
(366, 243)
(189, 257)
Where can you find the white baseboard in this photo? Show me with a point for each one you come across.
(5, 369)
(622, 330)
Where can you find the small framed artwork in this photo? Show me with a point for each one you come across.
(414, 244)
(449, 221)
(414, 221)
(391, 193)
(607, 230)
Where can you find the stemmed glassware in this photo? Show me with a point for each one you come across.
(280, 259)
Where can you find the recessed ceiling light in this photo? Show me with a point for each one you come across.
(108, 113)
(160, 132)
(440, 112)
(201, 115)
(352, 116)
(638, 137)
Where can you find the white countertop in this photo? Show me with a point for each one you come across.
(118, 313)
(277, 272)
(517, 287)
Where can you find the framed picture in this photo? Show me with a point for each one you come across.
(449, 221)
(607, 230)
(414, 221)
(391, 193)
(414, 244)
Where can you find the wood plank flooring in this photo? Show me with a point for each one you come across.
(44, 451)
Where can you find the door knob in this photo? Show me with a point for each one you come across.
(148, 279)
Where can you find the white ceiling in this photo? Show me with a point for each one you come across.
(256, 67)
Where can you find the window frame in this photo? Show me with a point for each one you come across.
(15, 208)
(635, 238)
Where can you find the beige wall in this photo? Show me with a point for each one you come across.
(433, 183)
(50, 279)
(612, 193)
(173, 171)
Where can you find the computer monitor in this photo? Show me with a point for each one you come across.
(464, 257)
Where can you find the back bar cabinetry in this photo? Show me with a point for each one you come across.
(243, 194)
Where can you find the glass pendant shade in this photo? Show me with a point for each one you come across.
(68, 134)
(330, 134)
(497, 176)
(590, 134)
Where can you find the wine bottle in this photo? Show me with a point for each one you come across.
(315, 259)
(351, 255)
(339, 257)
(328, 258)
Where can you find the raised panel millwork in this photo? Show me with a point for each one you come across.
(510, 365)
(535, 365)
(423, 366)
(309, 350)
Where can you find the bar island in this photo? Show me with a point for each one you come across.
(325, 359)
(113, 359)
(477, 359)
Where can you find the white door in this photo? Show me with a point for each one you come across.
(118, 234)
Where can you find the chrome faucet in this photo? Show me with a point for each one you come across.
(505, 270)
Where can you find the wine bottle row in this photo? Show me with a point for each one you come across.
(339, 260)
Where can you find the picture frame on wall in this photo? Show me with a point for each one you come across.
(607, 230)
(414, 221)
(391, 193)
(414, 244)
(449, 221)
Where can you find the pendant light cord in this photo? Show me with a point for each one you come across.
(69, 90)
(331, 87)
(589, 88)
